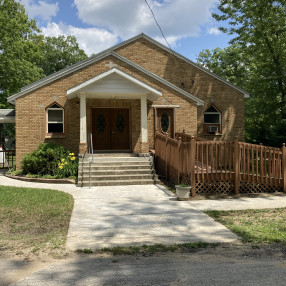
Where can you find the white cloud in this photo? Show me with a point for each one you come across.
(125, 18)
(91, 40)
(214, 31)
(41, 9)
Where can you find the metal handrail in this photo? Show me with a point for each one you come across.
(90, 147)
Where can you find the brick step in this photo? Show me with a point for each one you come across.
(118, 172)
(117, 159)
(115, 168)
(118, 183)
(118, 177)
(122, 163)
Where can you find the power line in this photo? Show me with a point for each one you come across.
(159, 27)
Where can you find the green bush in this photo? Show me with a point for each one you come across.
(46, 160)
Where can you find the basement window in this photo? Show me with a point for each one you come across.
(55, 119)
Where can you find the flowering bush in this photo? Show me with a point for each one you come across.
(68, 166)
(50, 160)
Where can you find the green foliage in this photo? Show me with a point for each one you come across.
(60, 52)
(45, 160)
(20, 46)
(68, 166)
(25, 55)
(255, 61)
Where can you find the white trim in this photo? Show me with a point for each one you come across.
(55, 122)
(213, 112)
(83, 135)
(165, 106)
(144, 122)
(92, 60)
(165, 82)
(116, 71)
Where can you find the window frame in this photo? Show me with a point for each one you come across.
(207, 124)
(55, 122)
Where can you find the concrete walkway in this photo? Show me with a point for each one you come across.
(109, 216)
(146, 214)
(132, 215)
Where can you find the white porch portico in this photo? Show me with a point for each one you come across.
(114, 84)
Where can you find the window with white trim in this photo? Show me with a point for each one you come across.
(212, 120)
(55, 119)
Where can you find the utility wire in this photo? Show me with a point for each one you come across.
(159, 27)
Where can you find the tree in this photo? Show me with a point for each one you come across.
(20, 49)
(231, 63)
(60, 52)
(259, 46)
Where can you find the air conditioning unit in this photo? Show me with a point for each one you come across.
(212, 129)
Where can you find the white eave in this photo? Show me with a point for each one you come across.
(114, 83)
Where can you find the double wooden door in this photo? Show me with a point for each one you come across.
(110, 129)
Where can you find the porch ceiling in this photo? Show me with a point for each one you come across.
(114, 84)
(7, 116)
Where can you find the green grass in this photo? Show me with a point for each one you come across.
(255, 226)
(33, 218)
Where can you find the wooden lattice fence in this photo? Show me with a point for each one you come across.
(215, 167)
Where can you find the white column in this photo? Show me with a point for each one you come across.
(144, 126)
(83, 118)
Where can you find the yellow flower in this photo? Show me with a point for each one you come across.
(60, 166)
(71, 154)
(66, 163)
(63, 160)
(72, 158)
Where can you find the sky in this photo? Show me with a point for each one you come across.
(100, 24)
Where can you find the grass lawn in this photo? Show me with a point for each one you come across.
(255, 226)
(33, 219)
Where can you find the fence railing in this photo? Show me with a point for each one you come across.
(7, 158)
(207, 164)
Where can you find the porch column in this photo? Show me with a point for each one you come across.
(83, 137)
(144, 125)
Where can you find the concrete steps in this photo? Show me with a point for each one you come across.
(116, 170)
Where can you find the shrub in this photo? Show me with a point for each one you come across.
(45, 161)
(68, 166)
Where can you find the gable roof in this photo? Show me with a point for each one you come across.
(57, 75)
(142, 35)
(129, 81)
(90, 61)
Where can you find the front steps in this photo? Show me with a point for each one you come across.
(116, 170)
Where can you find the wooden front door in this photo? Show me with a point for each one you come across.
(110, 129)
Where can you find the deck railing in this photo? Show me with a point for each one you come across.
(7, 158)
(220, 167)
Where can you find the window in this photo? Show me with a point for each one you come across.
(212, 120)
(55, 119)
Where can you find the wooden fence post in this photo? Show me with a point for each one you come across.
(192, 166)
(179, 158)
(236, 159)
(284, 167)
